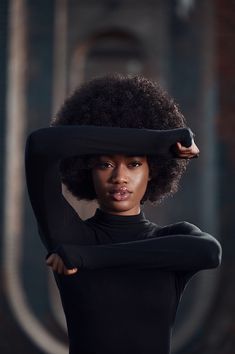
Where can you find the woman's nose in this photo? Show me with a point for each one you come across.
(119, 174)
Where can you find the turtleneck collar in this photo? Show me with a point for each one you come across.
(107, 218)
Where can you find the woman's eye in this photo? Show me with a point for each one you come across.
(135, 164)
(104, 165)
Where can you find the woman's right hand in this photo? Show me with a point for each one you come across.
(56, 263)
(187, 152)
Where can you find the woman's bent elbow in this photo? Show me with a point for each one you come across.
(215, 255)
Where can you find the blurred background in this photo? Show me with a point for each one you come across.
(48, 47)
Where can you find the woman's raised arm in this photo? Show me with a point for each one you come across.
(57, 220)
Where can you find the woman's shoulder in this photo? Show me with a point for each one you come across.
(181, 227)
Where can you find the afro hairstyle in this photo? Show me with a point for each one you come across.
(126, 102)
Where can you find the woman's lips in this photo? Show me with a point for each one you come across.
(120, 194)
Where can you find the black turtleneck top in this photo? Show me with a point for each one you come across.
(132, 272)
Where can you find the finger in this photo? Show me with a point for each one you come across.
(188, 156)
(192, 148)
(180, 147)
(50, 259)
(188, 152)
(55, 264)
(60, 268)
(195, 149)
(70, 271)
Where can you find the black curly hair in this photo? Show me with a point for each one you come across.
(126, 102)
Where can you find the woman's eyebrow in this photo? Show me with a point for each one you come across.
(135, 156)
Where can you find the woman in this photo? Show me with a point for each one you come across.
(120, 141)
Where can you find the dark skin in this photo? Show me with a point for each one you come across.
(120, 182)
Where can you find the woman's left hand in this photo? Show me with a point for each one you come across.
(56, 263)
(187, 152)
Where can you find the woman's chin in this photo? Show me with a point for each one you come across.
(121, 207)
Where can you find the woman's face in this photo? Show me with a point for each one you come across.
(120, 182)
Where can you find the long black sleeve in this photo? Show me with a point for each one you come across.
(46, 147)
(191, 251)
(65, 141)
(133, 309)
